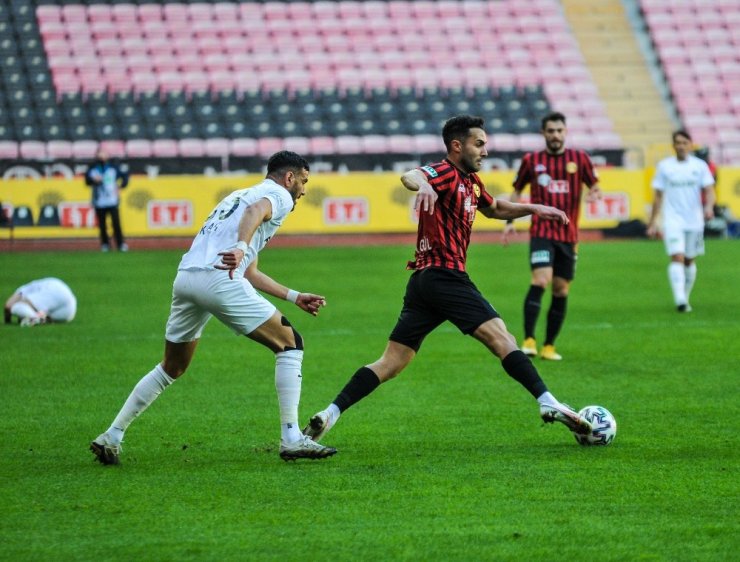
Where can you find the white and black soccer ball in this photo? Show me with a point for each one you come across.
(604, 426)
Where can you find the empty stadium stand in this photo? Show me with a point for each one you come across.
(698, 43)
(211, 79)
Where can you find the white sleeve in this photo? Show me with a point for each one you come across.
(706, 175)
(659, 178)
(281, 201)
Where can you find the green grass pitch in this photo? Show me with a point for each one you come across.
(447, 462)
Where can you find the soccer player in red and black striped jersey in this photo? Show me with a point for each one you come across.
(439, 289)
(555, 177)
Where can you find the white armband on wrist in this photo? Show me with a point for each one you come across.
(242, 245)
(292, 295)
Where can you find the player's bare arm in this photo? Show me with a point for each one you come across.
(652, 229)
(709, 200)
(509, 228)
(415, 180)
(255, 215)
(502, 209)
(594, 193)
(309, 302)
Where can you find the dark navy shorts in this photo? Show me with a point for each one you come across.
(434, 295)
(561, 256)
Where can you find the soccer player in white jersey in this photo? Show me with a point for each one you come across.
(678, 185)
(219, 277)
(40, 302)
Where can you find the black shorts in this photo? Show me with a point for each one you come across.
(434, 295)
(561, 256)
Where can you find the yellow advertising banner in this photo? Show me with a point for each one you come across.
(334, 203)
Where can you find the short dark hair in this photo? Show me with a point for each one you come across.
(680, 133)
(553, 116)
(458, 128)
(286, 160)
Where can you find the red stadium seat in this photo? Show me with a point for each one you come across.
(349, 144)
(9, 150)
(301, 145)
(164, 148)
(243, 147)
(32, 150)
(114, 148)
(322, 145)
(138, 148)
(374, 144)
(216, 147)
(84, 149)
(59, 149)
(268, 146)
(190, 148)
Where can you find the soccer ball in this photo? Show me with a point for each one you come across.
(604, 426)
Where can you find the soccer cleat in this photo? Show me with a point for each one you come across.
(104, 450)
(529, 347)
(549, 353)
(317, 426)
(124, 247)
(566, 415)
(684, 307)
(305, 448)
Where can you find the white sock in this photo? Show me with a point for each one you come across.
(547, 398)
(334, 413)
(144, 393)
(23, 310)
(288, 385)
(690, 271)
(677, 278)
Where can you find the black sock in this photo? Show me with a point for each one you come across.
(520, 368)
(362, 383)
(555, 318)
(532, 304)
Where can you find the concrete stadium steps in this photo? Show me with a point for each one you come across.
(619, 70)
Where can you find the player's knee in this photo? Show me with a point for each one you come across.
(297, 339)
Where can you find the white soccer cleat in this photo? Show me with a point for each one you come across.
(305, 448)
(105, 451)
(566, 415)
(317, 426)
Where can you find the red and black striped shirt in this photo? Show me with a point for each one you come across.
(443, 237)
(556, 180)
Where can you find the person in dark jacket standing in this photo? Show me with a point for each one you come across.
(106, 179)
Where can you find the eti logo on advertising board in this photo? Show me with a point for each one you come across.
(169, 213)
(612, 206)
(346, 210)
(77, 214)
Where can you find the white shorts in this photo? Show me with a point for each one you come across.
(686, 242)
(199, 294)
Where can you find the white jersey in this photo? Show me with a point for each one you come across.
(220, 230)
(51, 296)
(681, 182)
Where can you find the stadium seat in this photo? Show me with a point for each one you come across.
(9, 150)
(243, 147)
(191, 148)
(59, 149)
(22, 216)
(138, 148)
(216, 147)
(84, 149)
